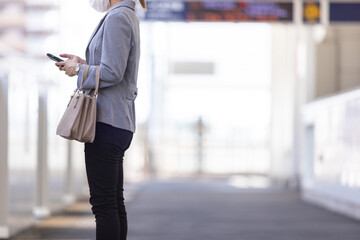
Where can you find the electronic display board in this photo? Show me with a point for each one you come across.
(231, 11)
(344, 12)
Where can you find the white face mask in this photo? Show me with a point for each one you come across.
(100, 5)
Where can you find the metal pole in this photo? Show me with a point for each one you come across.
(200, 131)
(4, 184)
(41, 210)
(69, 196)
(324, 15)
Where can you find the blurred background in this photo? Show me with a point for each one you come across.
(260, 93)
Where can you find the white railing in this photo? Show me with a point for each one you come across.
(331, 169)
(39, 174)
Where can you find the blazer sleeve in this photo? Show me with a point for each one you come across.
(116, 46)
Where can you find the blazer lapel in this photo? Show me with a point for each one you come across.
(97, 28)
(95, 31)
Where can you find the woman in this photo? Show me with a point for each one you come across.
(114, 46)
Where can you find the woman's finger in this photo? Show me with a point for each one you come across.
(60, 64)
(66, 55)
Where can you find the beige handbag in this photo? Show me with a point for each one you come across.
(79, 120)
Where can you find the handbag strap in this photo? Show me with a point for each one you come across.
(97, 80)
(84, 76)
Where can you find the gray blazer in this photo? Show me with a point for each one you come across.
(115, 46)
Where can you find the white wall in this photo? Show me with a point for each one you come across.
(327, 78)
(338, 60)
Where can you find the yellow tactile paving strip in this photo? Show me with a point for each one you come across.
(75, 220)
(67, 221)
(80, 207)
(77, 215)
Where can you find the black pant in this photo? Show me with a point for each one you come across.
(104, 168)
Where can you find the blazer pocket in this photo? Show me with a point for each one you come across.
(132, 93)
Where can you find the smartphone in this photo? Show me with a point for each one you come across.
(54, 58)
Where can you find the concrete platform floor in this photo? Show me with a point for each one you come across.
(203, 209)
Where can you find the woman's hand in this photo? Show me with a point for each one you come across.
(69, 65)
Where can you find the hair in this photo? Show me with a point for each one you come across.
(143, 4)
